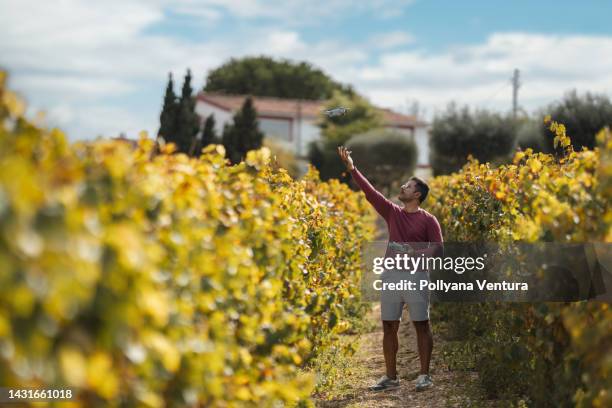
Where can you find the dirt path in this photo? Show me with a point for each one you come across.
(451, 388)
(368, 365)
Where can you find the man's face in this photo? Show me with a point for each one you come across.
(409, 192)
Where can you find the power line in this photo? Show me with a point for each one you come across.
(494, 94)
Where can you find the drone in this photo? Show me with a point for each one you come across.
(336, 111)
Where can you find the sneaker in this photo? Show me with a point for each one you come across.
(385, 383)
(423, 382)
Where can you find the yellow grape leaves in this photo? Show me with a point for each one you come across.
(167, 279)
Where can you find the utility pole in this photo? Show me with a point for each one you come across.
(516, 84)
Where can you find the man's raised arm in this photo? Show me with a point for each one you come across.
(380, 203)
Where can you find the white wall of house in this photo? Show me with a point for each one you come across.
(294, 135)
(278, 128)
(308, 132)
(221, 115)
(421, 137)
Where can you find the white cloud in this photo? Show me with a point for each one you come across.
(471, 74)
(74, 53)
(93, 121)
(31, 23)
(71, 56)
(331, 55)
(108, 120)
(283, 42)
(66, 52)
(72, 87)
(296, 12)
(61, 114)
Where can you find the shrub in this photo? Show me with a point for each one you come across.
(582, 115)
(548, 354)
(528, 135)
(458, 133)
(388, 157)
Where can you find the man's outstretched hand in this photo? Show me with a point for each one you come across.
(345, 155)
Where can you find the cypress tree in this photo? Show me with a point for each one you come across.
(187, 123)
(244, 134)
(167, 118)
(209, 135)
(230, 142)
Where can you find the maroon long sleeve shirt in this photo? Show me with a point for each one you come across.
(420, 226)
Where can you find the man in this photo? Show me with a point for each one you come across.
(409, 223)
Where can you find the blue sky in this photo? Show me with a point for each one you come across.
(100, 68)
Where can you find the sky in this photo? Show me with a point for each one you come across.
(101, 67)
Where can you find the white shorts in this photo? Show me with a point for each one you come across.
(417, 300)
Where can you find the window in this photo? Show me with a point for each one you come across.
(276, 128)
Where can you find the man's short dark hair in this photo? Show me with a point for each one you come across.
(422, 187)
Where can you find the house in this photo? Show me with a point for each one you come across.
(293, 122)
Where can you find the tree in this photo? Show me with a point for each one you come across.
(187, 121)
(179, 123)
(360, 117)
(244, 134)
(583, 117)
(336, 130)
(264, 76)
(208, 136)
(457, 133)
(167, 118)
(388, 157)
(528, 134)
